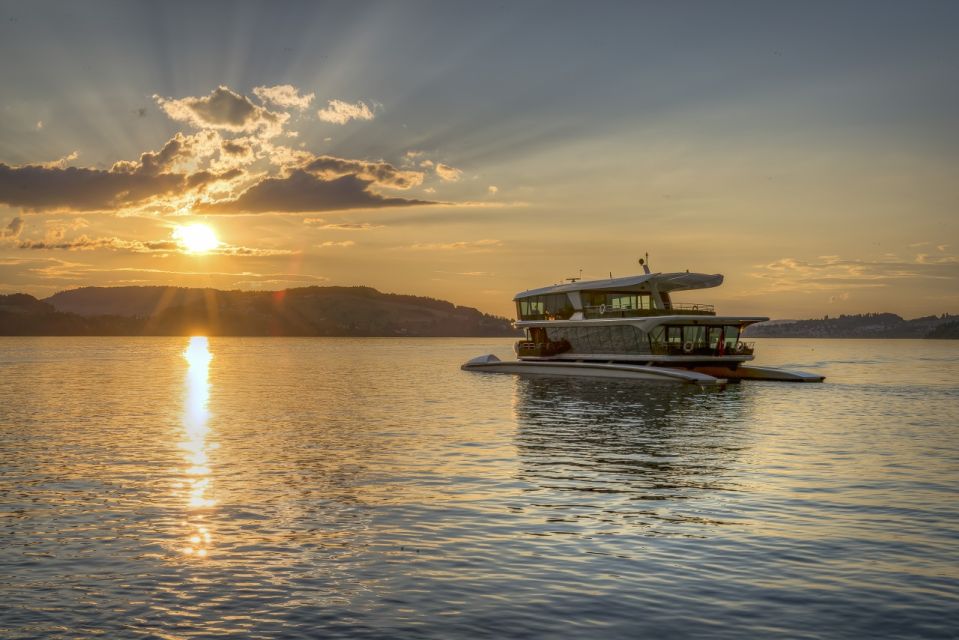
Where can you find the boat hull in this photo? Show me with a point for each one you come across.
(492, 364)
(761, 373)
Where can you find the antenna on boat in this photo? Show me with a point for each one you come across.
(576, 279)
(645, 263)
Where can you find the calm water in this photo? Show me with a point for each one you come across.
(164, 488)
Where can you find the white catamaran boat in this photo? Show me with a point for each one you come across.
(631, 328)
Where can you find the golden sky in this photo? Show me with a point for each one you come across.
(809, 153)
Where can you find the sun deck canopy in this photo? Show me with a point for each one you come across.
(664, 282)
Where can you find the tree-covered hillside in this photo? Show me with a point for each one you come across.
(309, 311)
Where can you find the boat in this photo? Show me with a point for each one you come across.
(630, 327)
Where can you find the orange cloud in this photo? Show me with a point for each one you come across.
(223, 109)
(382, 173)
(340, 112)
(301, 191)
(448, 173)
(284, 95)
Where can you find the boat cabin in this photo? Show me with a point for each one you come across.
(668, 339)
(635, 296)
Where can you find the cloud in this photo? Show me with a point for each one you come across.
(56, 229)
(284, 95)
(203, 178)
(61, 163)
(486, 244)
(341, 226)
(448, 173)
(235, 148)
(85, 243)
(38, 188)
(331, 243)
(283, 156)
(301, 191)
(383, 174)
(492, 189)
(230, 164)
(470, 274)
(339, 112)
(223, 109)
(56, 274)
(174, 155)
(13, 230)
(834, 273)
(924, 258)
(228, 250)
(53, 186)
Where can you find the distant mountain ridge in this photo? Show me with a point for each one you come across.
(307, 311)
(868, 325)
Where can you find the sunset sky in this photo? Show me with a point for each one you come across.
(467, 151)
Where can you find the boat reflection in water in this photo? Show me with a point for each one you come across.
(654, 457)
(197, 480)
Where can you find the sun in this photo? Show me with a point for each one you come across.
(196, 238)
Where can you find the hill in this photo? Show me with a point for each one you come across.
(308, 311)
(948, 330)
(869, 325)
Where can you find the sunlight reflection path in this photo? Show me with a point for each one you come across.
(197, 478)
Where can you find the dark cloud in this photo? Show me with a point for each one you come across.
(152, 163)
(223, 109)
(187, 164)
(127, 183)
(43, 188)
(382, 173)
(234, 148)
(301, 191)
(38, 188)
(13, 229)
(178, 148)
(203, 178)
(84, 243)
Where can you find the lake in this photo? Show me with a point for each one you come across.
(266, 488)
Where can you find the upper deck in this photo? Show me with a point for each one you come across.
(642, 295)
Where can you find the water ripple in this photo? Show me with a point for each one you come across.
(264, 488)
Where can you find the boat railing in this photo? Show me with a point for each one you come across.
(546, 315)
(690, 348)
(692, 307)
(541, 349)
(675, 309)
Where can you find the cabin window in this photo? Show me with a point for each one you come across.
(674, 335)
(731, 336)
(694, 334)
(549, 307)
(687, 339)
(715, 335)
(615, 303)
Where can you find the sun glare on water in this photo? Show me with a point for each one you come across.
(196, 238)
